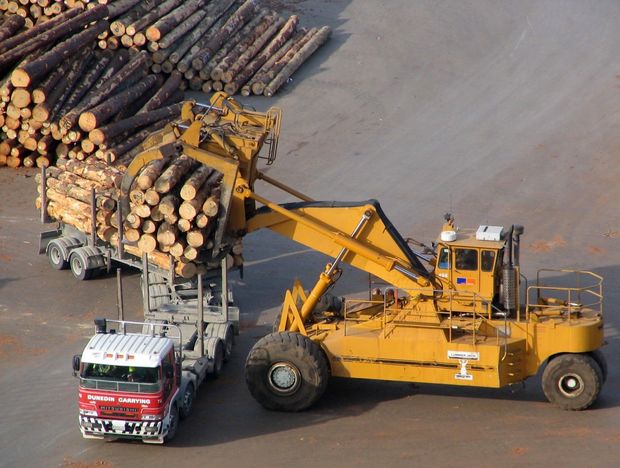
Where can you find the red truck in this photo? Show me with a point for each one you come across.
(140, 385)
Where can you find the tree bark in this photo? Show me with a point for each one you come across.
(105, 110)
(152, 17)
(13, 24)
(242, 76)
(306, 51)
(249, 33)
(100, 135)
(168, 88)
(99, 93)
(252, 50)
(237, 19)
(168, 22)
(42, 33)
(261, 78)
(63, 49)
(182, 29)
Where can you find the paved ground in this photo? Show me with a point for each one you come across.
(501, 112)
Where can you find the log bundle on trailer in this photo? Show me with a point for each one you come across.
(174, 205)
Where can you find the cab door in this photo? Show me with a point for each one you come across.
(466, 273)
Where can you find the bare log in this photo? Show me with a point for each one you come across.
(173, 174)
(146, 179)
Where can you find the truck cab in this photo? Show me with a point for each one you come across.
(128, 386)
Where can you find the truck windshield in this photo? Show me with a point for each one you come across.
(120, 378)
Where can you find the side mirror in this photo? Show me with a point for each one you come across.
(76, 362)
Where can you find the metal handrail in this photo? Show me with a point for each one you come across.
(594, 290)
(476, 299)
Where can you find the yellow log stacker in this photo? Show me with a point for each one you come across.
(459, 314)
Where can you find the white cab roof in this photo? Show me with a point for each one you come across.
(126, 350)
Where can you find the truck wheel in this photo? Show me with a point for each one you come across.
(286, 371)
(229, 341)
(56, 257)
(78, 268)
(174, 424)
(599, 357)
(572, 381)
(218, 358)
(187, 401)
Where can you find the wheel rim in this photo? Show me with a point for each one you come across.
(571, 385)
(284, 378)
(55, 255)
(76, 266)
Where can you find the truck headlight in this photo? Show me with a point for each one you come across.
(87, 412)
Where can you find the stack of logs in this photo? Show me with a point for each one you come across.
(214, 44)
(69, 100)
(219, 45)
(174, 205)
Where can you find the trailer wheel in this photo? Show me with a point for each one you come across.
(187, 401)
(56, 257)
(572, 381)
(229, 341)
(218, 358)
(173, 425)
(286, 371)
(78, 268)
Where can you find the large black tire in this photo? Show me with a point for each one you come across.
(56, 257)
(286, 371)
(218, 359)
(572, 381)
(79, 268)
(599, 357)
(187, 401)
(174, 424)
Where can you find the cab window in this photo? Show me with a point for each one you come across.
(444, 258)
(487, 260)
(466, 259)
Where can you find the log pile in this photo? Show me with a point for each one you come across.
(62, 96)
(215, 45)
(67, 99)
(174, 205)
